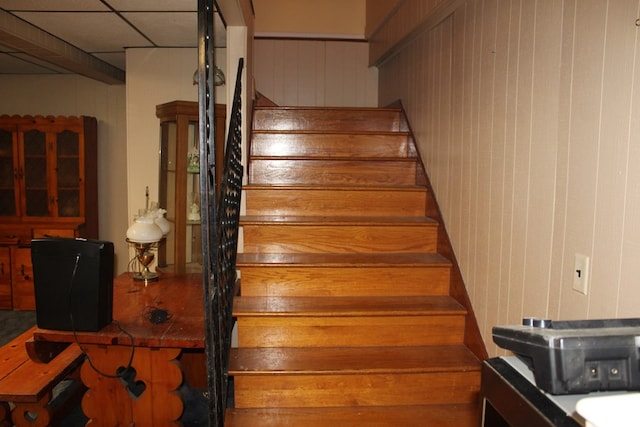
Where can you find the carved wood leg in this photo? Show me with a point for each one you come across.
(33, 414)
(151, 396)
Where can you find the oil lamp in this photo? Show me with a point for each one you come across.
(147, 230)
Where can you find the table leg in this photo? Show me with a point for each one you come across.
(5, 415)
(36, 414)
(151, 397)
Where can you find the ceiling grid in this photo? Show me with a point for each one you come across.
(90, 37)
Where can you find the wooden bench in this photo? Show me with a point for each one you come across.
(27, 385)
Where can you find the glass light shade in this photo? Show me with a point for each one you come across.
(163, 222)
(144, 230)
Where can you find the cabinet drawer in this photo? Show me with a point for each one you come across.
(39, 233)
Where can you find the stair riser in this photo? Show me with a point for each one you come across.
(301, 202)
(339, 239)
(333, 172)
(285, 331)
(262, 391)
(351, 281)
(318, 119)
(458, 415)
(272, 144)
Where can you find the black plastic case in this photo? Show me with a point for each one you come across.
(578, 356)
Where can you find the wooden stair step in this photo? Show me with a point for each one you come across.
(341, 376)
(346, 306)
(324, 144)
(454, 415)
(320, 200)
(300, 171)
(344, 274)
(342, 260)
(348, 321)
(335, 220)
(350, 360)
(331, 390)
(319, 118)
(278, 234)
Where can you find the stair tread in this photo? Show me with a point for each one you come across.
(321, 108)
(435, 305)
(333, 160)
(338, 188)
(454, 415)
(343, 260)
(332, 143)
(350, 360)
(335, 220)
(336, 132)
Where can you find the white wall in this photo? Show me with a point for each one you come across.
(526, 113)
(315, 73)
(70, 95)
(155, 76)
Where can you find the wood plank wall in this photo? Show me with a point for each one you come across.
(527, 113)
(315, 73)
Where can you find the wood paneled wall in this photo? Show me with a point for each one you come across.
(527, 114)
(315, 73)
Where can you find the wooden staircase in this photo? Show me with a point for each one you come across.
(348, 314)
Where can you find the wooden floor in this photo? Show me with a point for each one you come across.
(346, 315)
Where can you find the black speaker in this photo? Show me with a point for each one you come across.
(73, 281)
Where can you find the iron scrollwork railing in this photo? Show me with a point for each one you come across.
(220, 218)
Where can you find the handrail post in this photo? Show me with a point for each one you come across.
(220, 216)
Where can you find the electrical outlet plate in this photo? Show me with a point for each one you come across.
(581, 274)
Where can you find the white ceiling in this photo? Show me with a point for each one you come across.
(89, 37)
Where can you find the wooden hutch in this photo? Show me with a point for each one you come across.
(48, 188)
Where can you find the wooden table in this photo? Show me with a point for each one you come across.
(162, 354)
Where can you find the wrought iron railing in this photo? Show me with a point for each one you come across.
(220, 218)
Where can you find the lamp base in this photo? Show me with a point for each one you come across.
(146, 276)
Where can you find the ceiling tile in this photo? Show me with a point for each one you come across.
(167, 29)
(89, 31)
(76, 5)
(154, 5)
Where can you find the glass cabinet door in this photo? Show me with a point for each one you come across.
(167, 196)
(194, 229)
(8, 171)
(179, 189)
(36, 196)
(67, 146)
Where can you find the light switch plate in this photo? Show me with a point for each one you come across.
(581, 274)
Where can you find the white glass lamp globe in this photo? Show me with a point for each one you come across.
(144, 230)
(163, 222)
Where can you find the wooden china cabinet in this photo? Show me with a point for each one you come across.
(48, 188)
(179, 189)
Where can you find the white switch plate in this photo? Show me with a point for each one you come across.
(581, 274)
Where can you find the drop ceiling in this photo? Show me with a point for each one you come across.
(89, 37)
